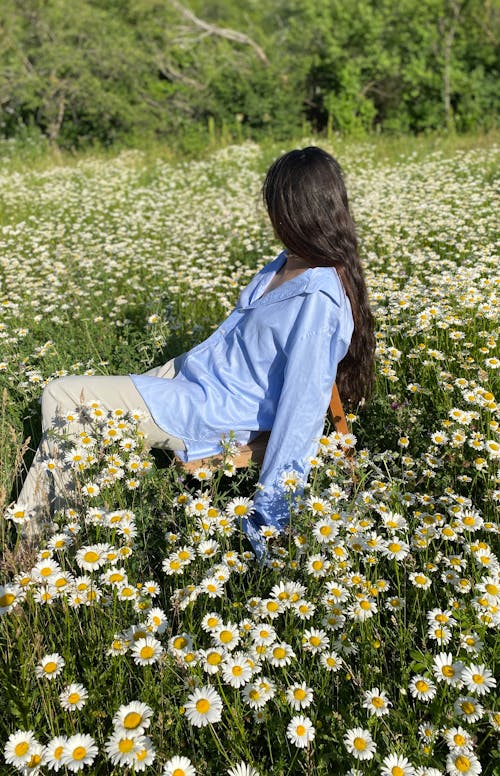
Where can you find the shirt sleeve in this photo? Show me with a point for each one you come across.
(309, 374)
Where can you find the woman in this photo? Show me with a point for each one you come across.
(301, 323)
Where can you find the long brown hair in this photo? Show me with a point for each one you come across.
(307, 203)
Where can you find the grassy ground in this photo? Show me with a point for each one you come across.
(383, 600)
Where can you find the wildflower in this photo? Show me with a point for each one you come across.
(147, 651)
(468, 708)
(179, 766)
(19, 748)
(376, 701)
(10, 596)
(240, 507)
(74, 696)
(227, 635)
(143, 755)
(291, 480)
(92, 557)
(396, 765)
(360, 744)
(242, 770)
(458, 738)
(281, 654)
(203, 707)
(236, 670)
(80, 750)
(54, 752)
(446, 670)
(121, 747)
(331, 661)
(314, 640)
(299, 696)
(300, 731)
(132, 718)
(50, 666)
(478, 679)
(422, 688)
(463, 764)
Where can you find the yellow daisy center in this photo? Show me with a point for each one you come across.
(462, 763)
(21, 748)
(378, 702)
(359, 744)
(448, 671)
(132, 720)
(300, 730)
(477, 678)
(7, 599)
(279, 653)
(202, 706)
(397, 771)
(50, 667)
(421, 685)
(126, 745)
(226, 636)
(147, 652)
(74, 697)
(299, 694)
(79, 753)
(214, 658)
(91, 556)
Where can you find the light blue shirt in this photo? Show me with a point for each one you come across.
(269, 366)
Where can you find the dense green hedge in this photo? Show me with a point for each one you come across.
(127, 70)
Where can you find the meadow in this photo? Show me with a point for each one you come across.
(142, 635)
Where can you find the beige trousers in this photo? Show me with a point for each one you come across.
(44, 491)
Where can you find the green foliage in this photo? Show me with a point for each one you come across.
(129, 71)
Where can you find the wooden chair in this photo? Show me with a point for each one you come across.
(255, 451)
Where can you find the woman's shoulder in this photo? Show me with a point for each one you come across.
(326, 281)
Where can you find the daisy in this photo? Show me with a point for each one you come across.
(422, 688)
(19, 748)
(146, 651)
(363, 609)
(314, 640)
(445, 670)
(478, 679)
(331, 661)
(300, 731)
(212, 586)
(236, 670)
(463, 764)
(74, 696)
(211, 660)
(179, 766)
(458, 738)
(144, 754)
(239, 507)
(54, 752)
(227, 635)
(92, 557)
(211, 622)
(377, 702)
(359, 743)
(50, 666)
(10, 596)
(242, 770)
(299, 696)
(132, 718)
(291, 481)
(80, 750)
(203, 707)
(468, 708)
(256, 694)
(121, 747)
(396, 765)
(281, 654)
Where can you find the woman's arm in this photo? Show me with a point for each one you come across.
(307, 384)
